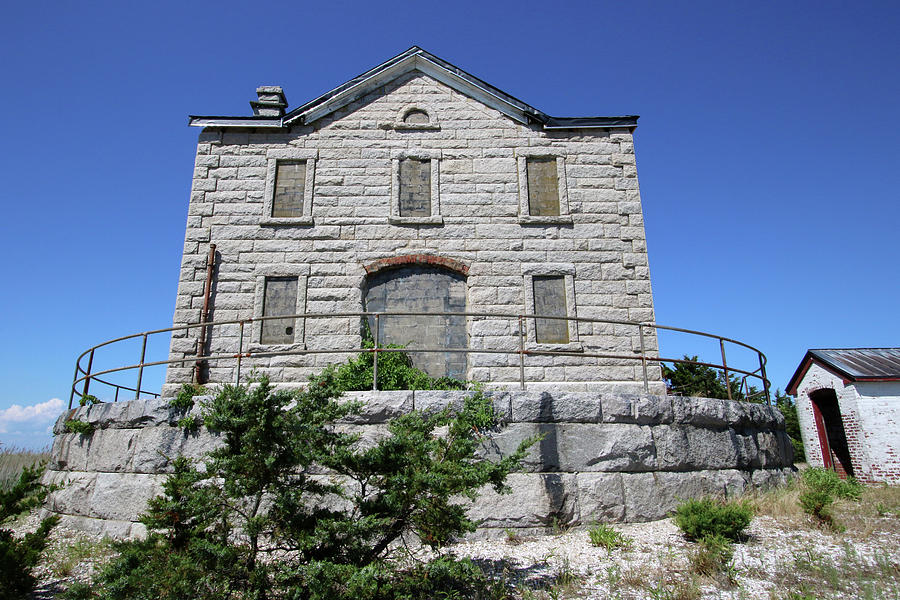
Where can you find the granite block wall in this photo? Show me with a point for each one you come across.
(604, 456)
(349, 222)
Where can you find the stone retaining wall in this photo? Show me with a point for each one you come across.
(609, 457)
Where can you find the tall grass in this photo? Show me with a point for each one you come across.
(13, 460)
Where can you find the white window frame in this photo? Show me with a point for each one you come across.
(434, 156)
(567, 271)
(301, 272)
(273, 156)
(525, 217)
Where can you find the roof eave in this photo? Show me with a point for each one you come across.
(210, 121)
(625, 121)
(439, 69)
(799, 374)
(874, 379)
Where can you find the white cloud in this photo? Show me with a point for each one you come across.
(36, 414)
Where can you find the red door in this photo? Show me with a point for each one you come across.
(830, 429)
(823, 435)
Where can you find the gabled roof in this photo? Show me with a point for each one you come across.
(852, 364)
(417, 59)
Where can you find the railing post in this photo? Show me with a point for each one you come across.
(375, 353)
(643, 358)
(87, 376)
(237, 373)
(137, 391)
(725, 367)
(74, 380)
(521, 352)
(762, 370)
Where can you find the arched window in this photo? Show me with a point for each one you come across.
(416, 115)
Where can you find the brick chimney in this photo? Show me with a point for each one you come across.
(270, 102)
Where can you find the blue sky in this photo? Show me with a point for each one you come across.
(768, 152)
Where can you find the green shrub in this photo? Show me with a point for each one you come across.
(78, 590)
(87, 399)
(210, 532)
(817, 503)
(395, 372)
(184, 400)
(190, 423)
(829, 482)
(822, 487)
(444, 577)
(700, 518)
(788, 408)
(604, 536)
(78, 426)
(712, 556)
(447, 577)
(801, 595)
(18, 556)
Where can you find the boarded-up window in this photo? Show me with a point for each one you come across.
(279, 298)
(290, 185)
(550, 300)
(415, 187)
(543, 186)
(421, 289)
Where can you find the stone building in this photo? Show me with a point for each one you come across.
(418, 187)
(848, 405)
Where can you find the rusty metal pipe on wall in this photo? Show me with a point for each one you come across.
(204, 314)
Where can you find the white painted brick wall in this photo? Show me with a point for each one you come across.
(479, 205)
(871, 416)
(878, 404)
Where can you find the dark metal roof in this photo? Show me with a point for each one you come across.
(853, 364)
(355, 87)
(862, 363)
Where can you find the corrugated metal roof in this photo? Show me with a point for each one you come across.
(862, 363)
(853, 364)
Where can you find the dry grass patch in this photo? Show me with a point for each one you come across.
(63, 559)
(782, 503)
(815, 573)
(878, 508)
(13, 460)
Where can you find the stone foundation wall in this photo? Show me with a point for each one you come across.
(609, 457)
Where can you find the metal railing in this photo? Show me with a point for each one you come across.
(84, 376)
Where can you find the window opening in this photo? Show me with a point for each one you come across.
(416, 116)
(550, 299)
(415, 187)
(280, 298)
(543, 186)
(290, 187)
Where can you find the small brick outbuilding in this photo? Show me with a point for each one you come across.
(848, 404)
